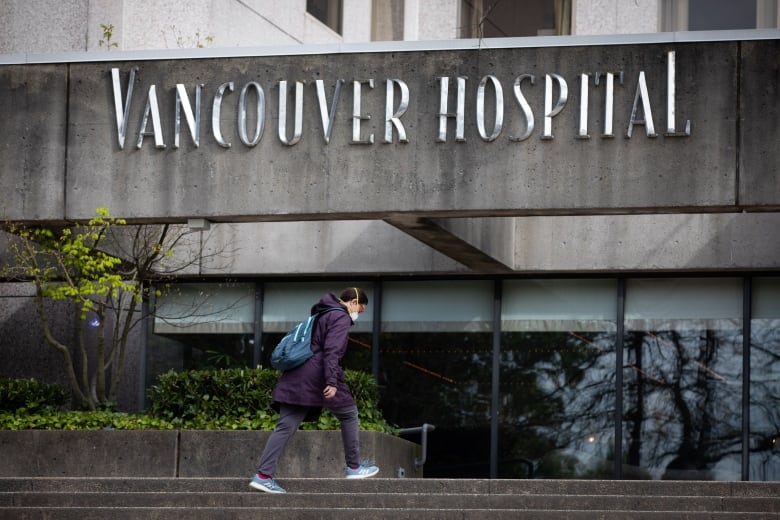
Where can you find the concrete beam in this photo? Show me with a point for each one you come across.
(434, 234)
(689, 242)
(349, 247)
(550, 244)
(61, 155)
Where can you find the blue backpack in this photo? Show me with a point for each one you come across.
(295, 347)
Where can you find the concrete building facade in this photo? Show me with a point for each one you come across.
(570, 242)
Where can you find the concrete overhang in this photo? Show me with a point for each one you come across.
(462, 180)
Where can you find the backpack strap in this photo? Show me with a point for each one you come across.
(323, 311)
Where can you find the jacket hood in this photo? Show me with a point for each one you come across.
(326, 302)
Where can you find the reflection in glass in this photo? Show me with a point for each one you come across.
(558, 405)
(682, 368)
(765, 381)
(683, 379)
(286, 304)
(557, 385)
(199, 326)
(206, 308)
(181, 352)
(441, 379)
(435, 367)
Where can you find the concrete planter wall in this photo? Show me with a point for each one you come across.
(191, 453)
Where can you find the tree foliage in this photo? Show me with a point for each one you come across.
(104, 268)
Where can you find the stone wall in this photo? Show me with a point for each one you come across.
(191, 453)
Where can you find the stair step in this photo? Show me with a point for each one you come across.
(389, 485)
(74, 498)
(388, 500)
(298, 513)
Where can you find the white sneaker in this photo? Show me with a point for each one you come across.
(362, 471)
(268, 485)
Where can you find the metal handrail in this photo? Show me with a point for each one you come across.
(423, 430)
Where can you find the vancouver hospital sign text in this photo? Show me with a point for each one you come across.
(243, 118)
(396, 132)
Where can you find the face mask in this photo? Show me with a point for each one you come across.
(354, 315)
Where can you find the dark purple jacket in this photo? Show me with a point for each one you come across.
(304, 385)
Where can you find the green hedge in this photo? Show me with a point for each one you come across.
(231, 399)
(31, 396)
(241, 399)
(81, 420)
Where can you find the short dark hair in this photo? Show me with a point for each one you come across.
(351, 293)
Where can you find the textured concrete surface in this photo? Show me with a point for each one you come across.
(309, 454)
(26, 353)
(190, 453)
(759, 158)
(271, 181)
(615, 17)
(391, 498)
(33, 101)
(36, 453)
(729, 163)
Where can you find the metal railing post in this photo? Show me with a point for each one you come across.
(423, 431)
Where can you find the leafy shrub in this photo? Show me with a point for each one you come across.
(232, 399)
(31, 396)
(215, 399)
(240, 398)
(81, 420)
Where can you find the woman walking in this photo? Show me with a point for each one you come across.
(302, 393)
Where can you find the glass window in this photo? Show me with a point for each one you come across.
(326, 11)
(197, 352)
(286, 304)
(557, 386)
(435, 367)
(202, 326)
(682, 415)
(709, 15)
(437, 306)
(497, 19)
(765, 380)
(206, 308)
(712, 15)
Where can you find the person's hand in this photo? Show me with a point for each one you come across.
(329, 392)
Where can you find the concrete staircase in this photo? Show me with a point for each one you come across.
(89, 498)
